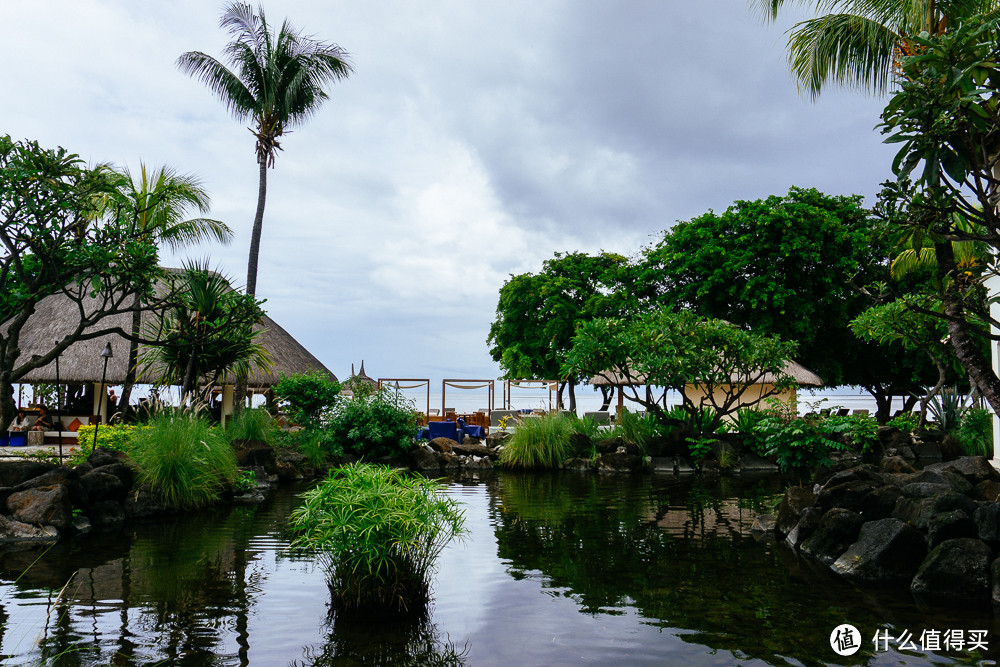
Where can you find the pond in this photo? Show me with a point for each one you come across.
(558, 569)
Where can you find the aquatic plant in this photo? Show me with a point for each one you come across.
(538, 442)
(378, 532)
(183, 460)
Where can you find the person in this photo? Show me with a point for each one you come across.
(21, 422)
(42, 423)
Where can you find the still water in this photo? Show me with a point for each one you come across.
(557, 569)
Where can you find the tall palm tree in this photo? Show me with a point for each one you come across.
(859, 44)
(157, 201)
(276, 82)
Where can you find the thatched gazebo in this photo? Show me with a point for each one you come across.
(82, 363)
(356, 380)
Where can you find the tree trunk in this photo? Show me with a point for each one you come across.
(967, 349)
(572, 395)
(133, 359)
(607, 394)
(240, 390)
(8, 406)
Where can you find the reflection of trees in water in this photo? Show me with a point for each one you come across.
(679, 554)
(411, 640)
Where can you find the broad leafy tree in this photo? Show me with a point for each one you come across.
(52, 240)
(274, 80)
(732, 367)
(537, 314)
(860, 43)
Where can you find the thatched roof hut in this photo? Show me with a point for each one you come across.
(359, 378)
(55, 316)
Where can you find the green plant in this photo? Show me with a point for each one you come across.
(588, 426)
(182, 459)
(728, 458)
(906, 422)
(245, 481)
(797, 444)
(538, 442)
(698, 448)
(255, 424)
(308, 395)
(117, 437)
(975, 432)
(635, 428)
(379, 532)
(373, 426)
(947, 408)
(859, 430)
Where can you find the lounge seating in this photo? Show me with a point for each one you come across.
(497, 415)
(445, 430)
(602, 417)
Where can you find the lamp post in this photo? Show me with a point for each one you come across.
(59, 407)
(107, 354)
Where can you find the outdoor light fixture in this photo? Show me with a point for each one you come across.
(58, 408)
(107, 354)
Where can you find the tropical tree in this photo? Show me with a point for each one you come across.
(155, 202)
(860, 43)
(276, 82)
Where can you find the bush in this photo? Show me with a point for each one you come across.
(308, 395)
(255, 424)
(316, 444)
(797, 444)
(635, 428)
(183, 460)
(117, 437)
(382, 424)
(379, 532)
(975, 432)
(906, 422)
(538, 442)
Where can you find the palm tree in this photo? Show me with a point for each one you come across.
(860, 44)
(276, 82)
(156, 201)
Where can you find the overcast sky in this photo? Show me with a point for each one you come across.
(473, 140)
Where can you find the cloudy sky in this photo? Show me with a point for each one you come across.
(473, 140)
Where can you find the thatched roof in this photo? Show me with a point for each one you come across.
(358, 378)
(56, 315)
(803, 376)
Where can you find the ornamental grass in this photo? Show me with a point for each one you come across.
(538, 442)
(378, 533)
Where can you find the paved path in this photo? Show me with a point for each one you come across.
(17, 453)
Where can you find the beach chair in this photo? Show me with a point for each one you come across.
(602, 418)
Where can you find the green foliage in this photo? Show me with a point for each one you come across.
(634, 428)
(675, 350)
(975, 432)
(588, 426)
(182, 459)
(245, 481)
(251, 424)
(379, 532)
(118, 437)
(860, 431)
(947, 408)
(907, 422)
(539, 442)
(383, 424)
(699, 448)
(798, 444)
(308, 395)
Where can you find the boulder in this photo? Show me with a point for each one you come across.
(45, 506)
(423, 457)
(13, 473)
(888, 551)
(16, 531)
(81, 525)
(750, 462)
(949, 526)
(955, 572)
(619, 462)
(917, 511)
(891, 437)
(67, 477)
(880, 503)
(610, 445)
(974, 468)
(101, 486)
(987, 490)
(895, 465)
(581, 464)
(662, 464)
(103, 456)
(763, 527)
(287, 472)
(254, 453)
(449, 461)
(837, 530)
(473, 449)
(987, 520)
(443, 445)
(797, 498)
(106, 515)
(803, 530)
(495, 439)
(142, 504)
(948, 477)
(476, 463)
(852, 495)
(927, 451)
(862, 473)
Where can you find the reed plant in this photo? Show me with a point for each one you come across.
(378, 532)
(182, 459)
(538, 442)
(635, 428)
(255, 424)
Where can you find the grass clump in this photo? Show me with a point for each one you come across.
(378, 532)
(538, 442)
(182, 459)
(251, 424)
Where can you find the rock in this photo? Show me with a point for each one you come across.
(67, 477)
(609, 445)
(752, 463)
(424, 458)
(619, 462)
(443, 445)
(987, 520)
(949, 526)
(476, 463)
(141, 504)
(683, 467)
(579, 464)
(891, 437)
(16, 531)
(849, 495)
(797, 498)
(13, 473)
(254, 453)
(45, 506)
(951, 448)
(287, 472)
(662, 464)
(106, 515)
(927, 451)
(806, 526)
(763, 528)
(954, 572)
(251, 497)
(895, 465)
(293, 457)
(838, 529)
(103, 486)
(81, 525)
(974, 468)
(880, 503)
(987, 490)
(918, 511)
(925, 489)
(888, 551)
(862, 473)
(473, 450)
(495, 439)
(995, 576)
(103, 456)
(949, 477)
(581, 444)
(449, 461)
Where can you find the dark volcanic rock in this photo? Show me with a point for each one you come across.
(888, 551)
(473, 450)
(619, 462)
(17, 472)
(803, 530)
(254, 453)
(104, 456)
(797, 498)
(106, 515)
(949, 526)
(16, 531)
(103, 486)
(849, 495)
(955, 572)
(917, 511)
(974, 468)
(895, 465)
(987, 520)
(45, 506)
(442, 445)
(837, 530)
(424, 458)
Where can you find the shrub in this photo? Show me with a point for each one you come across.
(587, 426)
(798, 444)
(308, 395)
(382, 424)
(255, 424)
(538, 442)
(635, 428)
(975, 432)
(118, 437)
(183, 460)
(906, 422)
(378, 532)
(316, 444)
